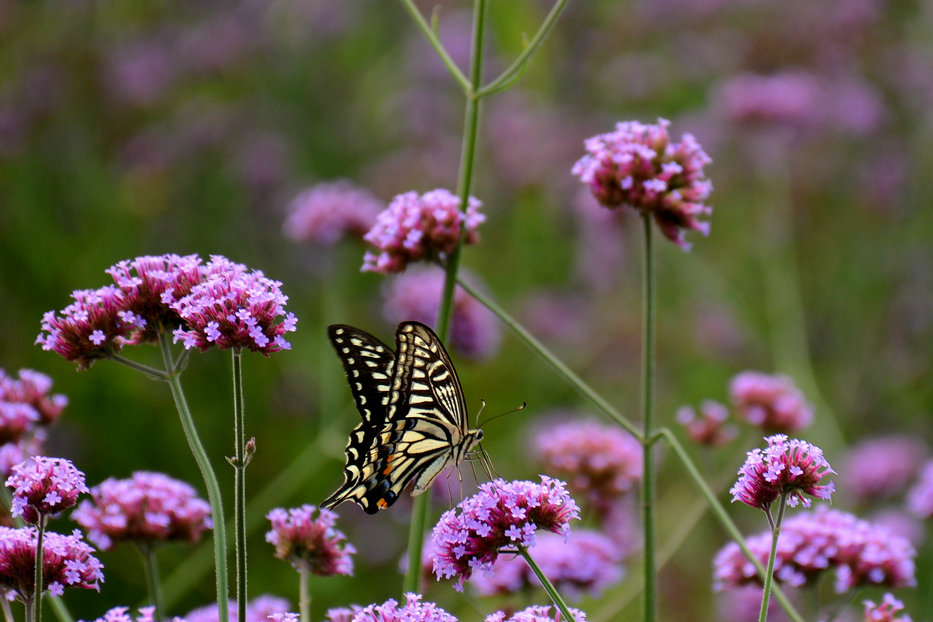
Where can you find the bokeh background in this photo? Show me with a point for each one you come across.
(134, 128)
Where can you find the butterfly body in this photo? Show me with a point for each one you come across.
(414, 415)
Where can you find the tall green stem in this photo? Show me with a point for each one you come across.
(546, 583)
(34, 606)
(207, 473)
(304, 595)
(648, 494)
(240, 462)
(151, 569)
(769, 573)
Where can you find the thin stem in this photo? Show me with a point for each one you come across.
(648, 495)
(546, 583)
(152, 372)
(722, 516)
(151, 569)
(210, 479)
(438, 47)
(7, 612)
(37, 576)
(536, 346)
(304, 595)
(505, 78)
(769, 573)
(239, 483)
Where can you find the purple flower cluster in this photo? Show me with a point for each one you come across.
(790, 468)
(44, 486)
(708, 427)
(309, 543)
(30, 391)
(600, 462)
(771, 402)
(233, 307)
(325, 213)
(218, 304)
(501, 516)
(474, 331)
(585, 564)
(257, 610)
(638, 165)
(885, 611)
(894, 459)
(414, 610)
(920, 496)
(535, 613)
(810, 543)
(147, 508)
(66, 561)
(122, 614)
(416, 227)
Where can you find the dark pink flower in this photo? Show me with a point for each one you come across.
(771, 402)
(416, 227)
(708, 427)
(414, 610)
(535, 613)
(122, 614)
(637, 165)
(342, 614)
(33, 388)
(894, 461)
(885, 611)
(147, 509)
(920, 496)
(327, 212)
(501, 516)
(310, 543)
(233, 307)
(787, 468)
(66, 561)
(16, 419)
(44, 486)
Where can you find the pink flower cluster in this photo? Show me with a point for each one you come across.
(44, 486)
(810, 543)
(708, 427)
(920, 496)
(31, 390)
(219, 304)
(499, 517)
(786, 468)
(637, 165)
(66, 561)
(327, 212)
(600, 462)
(771, 402)
(885, 611)
(416, 227)
(894, 458)
(147, 508)
(536, 613)
(259, 609)
(122, 614)
(414, 610)
(310, 543)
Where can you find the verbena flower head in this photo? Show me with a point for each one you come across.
(342, 614)
(791, 468)
(811, 543)
(474, 331)
(257, 610)
(743, 603)
(708, 427)
(310, 543)
(16, 419)
(895, 459)
(150, 284)
(536, 613)
(12, 454)
(325, 213)
(599, 462)
(771, 402)
(233, 307)
(43, 486)
(414, 610)
(499, 517)
(885, 612)
(148, 508)
(920, 496)
(32, 388)
(122, 614)
(587, 563)
(638, 165)
(96, 325)
(416, 227)
(67, 561)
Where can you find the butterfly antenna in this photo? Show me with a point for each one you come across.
(508, 412)
(481, 409)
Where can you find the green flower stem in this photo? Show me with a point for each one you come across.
(432, 38)
(240, 462)
(151, 569)
(34, 606)
(722, 516)
(7, 612)
(152, 372)
(304, 595)
(769, 573)
(546, 583)
(649, 485)
(536, 346)
(207, 473)
(505, 79)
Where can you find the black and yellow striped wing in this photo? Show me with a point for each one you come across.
(424, 424)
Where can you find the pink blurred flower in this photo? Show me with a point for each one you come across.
(787, 468)
(771, 402)
(414, 610)
(329, 211)
(894, 459)
(885, 611)
(309, 543)
(122, 614)
(535, 613)
(32, 389)
(257, 610)
(920, 496)
(709, 427)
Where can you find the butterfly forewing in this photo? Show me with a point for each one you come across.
(368, 364)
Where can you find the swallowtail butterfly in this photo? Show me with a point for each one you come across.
(414, 415)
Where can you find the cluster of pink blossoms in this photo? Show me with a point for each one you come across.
(27, 407)
(67, 561)
(310, 543)
(327, 212)
(786, 468)
(637, 165)
(771, 402)
(536, 613)
(44, 486)
(147, 509)
(414, 610)
(895, 460)
(709, 426)
(219, 304)
(885, 611)
(416, 227)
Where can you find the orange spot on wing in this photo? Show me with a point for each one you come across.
(382, 504)
(388, 468)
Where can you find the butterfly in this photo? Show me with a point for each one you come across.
(414, 414)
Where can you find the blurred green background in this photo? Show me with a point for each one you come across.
(135, 128)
